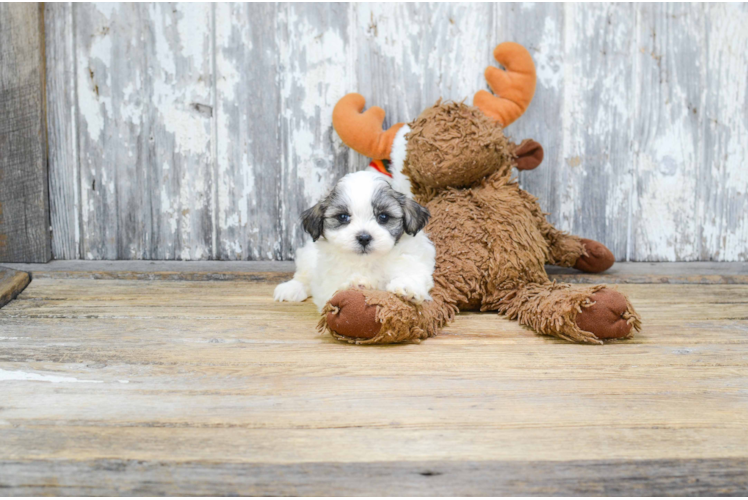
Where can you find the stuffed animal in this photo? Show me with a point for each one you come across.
(492, 239)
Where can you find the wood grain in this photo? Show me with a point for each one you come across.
(12, 283)
(540, 28)
(597, 158)
(248, 141)
(24, 201)
(704, 273)
(314, 63)
(426, 478)
(163, 387)
(62, 137)
(722, 194)
(668, 139)
(209, 146)
(145, 82)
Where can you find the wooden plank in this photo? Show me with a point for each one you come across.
(113, 139)
(12, 283)
(144, 79)
(598, 164)
(723, 113)
(408, 56)
(426, 478)
(623, 272)
(248, 114)
(315, 72)
(668, 137)
(235, 186)
(64, 173)
(273, 272)
(182, 161)
(24, 202)
(74, 298)
(212, 386)
(540, 28)
(583, 54)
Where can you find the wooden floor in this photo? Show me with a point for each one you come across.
(137, 387)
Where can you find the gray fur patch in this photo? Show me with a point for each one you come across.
(324, 214)
(337, 204)
(403, 214)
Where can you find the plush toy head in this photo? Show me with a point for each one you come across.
(454, 145)
(451, 144)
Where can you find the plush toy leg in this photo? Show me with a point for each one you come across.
(377, 317)
(588, 314)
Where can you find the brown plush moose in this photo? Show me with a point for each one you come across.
(492, 239)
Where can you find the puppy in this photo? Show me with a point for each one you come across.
(364, 235)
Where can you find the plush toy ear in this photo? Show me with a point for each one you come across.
(313, 220)
(415, 216)
(529, 155)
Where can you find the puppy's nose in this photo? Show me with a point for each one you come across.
(363, 238)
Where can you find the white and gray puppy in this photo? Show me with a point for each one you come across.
(364, 235)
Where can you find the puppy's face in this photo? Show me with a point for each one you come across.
(364, 215)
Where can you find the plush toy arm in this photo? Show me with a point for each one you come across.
(378, 317)
(568, 250)
(565, 248)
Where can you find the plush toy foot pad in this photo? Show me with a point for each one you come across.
(598, 257)
(352, 316)
(607, 317)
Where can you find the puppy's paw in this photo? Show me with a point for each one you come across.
(359, 282)
(290, 291)
(409, 289)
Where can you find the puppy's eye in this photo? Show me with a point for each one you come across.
(383, 218)
(343, 218)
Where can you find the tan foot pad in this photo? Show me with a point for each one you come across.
(12, 283)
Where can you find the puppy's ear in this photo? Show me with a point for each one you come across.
(415, 216)
(313, 220)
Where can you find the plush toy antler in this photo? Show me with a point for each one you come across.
(363, 132)
(514, 87)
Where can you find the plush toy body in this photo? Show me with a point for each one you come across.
(492, 239)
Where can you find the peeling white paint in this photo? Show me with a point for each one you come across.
(725, 226)
(174, 97)
(94, 101)
(548, 56)
(107, 9)
(642, 110)
(316, 72)
(670, 140)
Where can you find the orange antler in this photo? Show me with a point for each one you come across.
(363, 131)
(514, 87)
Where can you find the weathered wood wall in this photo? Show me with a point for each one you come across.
(24, 202)
(192, 131)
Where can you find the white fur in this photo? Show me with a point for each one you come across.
(400, 181)
(335, 262)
